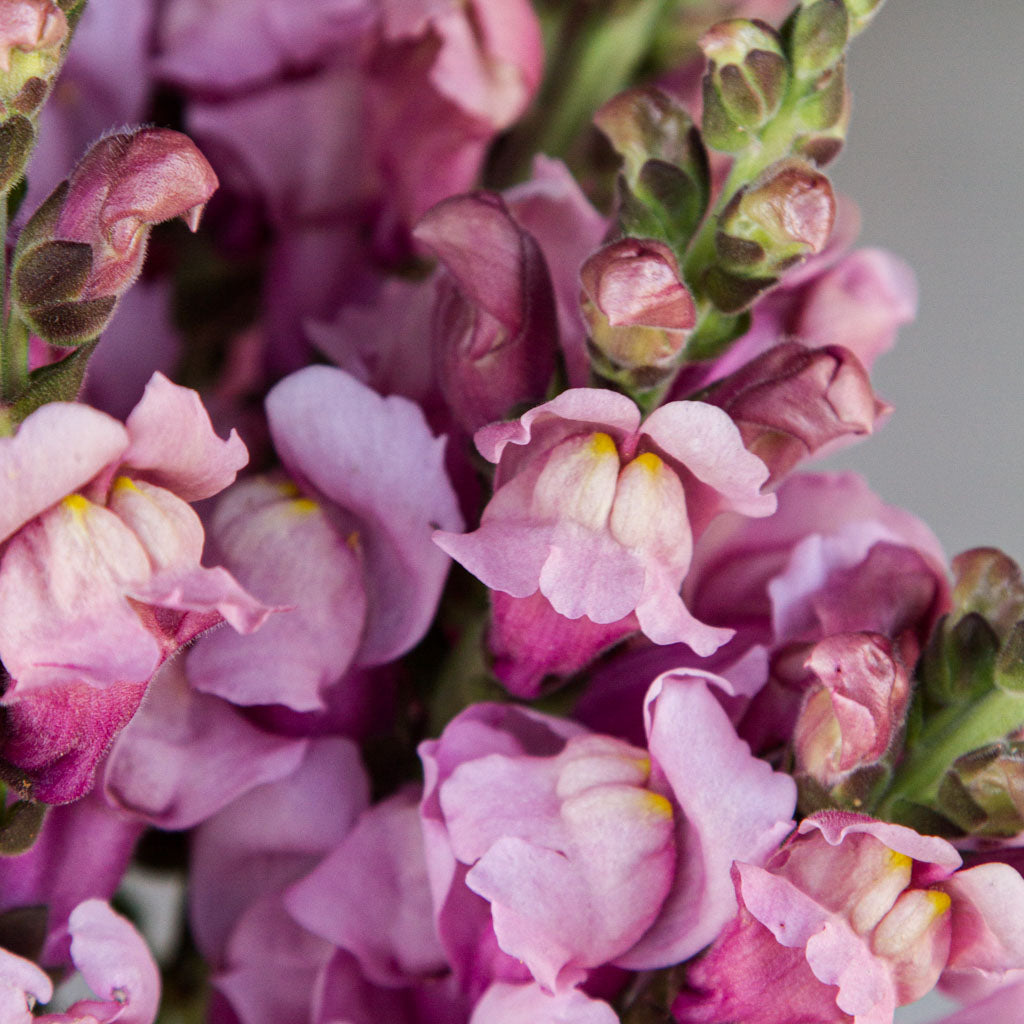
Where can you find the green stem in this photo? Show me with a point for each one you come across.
(950, 734)
(14, 358)
(596, 54)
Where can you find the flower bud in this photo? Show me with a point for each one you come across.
(861, 12)
(494, 334)
(84, 247)
(983, 792)
(818, 31)
(746, 79)
(637, 308)
(854, 711)
(792, 401)
(664, 187)
(32, 35)
(768, 226)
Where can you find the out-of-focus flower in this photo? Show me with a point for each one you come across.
(860, 917)
(100, 578)
(32, 33)
(85, 245)
(599, 511)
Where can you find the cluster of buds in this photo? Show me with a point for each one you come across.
(963, 769)
(34, 37)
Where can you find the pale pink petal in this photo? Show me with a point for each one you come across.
(185, 756)
(586, 407)
(115, 962)
(731, 806)
(530, 1004)
(22, 985)
(58, 449)
(988, 930)
(63, 614)
(283, 547)
(705, 440)
(173, 443)
(377, 460)
(371, 896)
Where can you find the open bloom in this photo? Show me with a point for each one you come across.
(858, 917)
(600, 512)
(100, 578)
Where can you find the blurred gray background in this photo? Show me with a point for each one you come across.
(935, 159)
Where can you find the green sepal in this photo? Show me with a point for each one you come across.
(922, 819)
(50, 273)
(816, 34)
(715, 333)
(15, 197)
(1009, 666)
(20, 824)
(55, 382)
(666, 203)
(731, 293)
(70, 324)
(17, 137)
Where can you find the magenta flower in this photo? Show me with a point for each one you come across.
(858, 917)
(599, 512)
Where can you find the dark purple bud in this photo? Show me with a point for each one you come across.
(494, 333)
(792, 401)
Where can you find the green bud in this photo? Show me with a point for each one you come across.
(745, 82)
(785, 214)
(664, 187)
(17, 137)
(983, 792)
(19, 827)
(817, 33)
(990, 583)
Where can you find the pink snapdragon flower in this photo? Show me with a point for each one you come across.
(859, 917)
(599, 511)
(345, 541)
(564, 851)
(113, 960)
(100, 575)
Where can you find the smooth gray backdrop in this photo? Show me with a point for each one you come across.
(934, 159)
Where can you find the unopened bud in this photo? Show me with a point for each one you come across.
(494, 331)
(84, 247)
(746, 79)
(664, 187)
(989, 583)
(817, 36)
(638, 310)
(852, 716)
(983, 792)
(32, 34)
(782, 216)
(792, 401)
